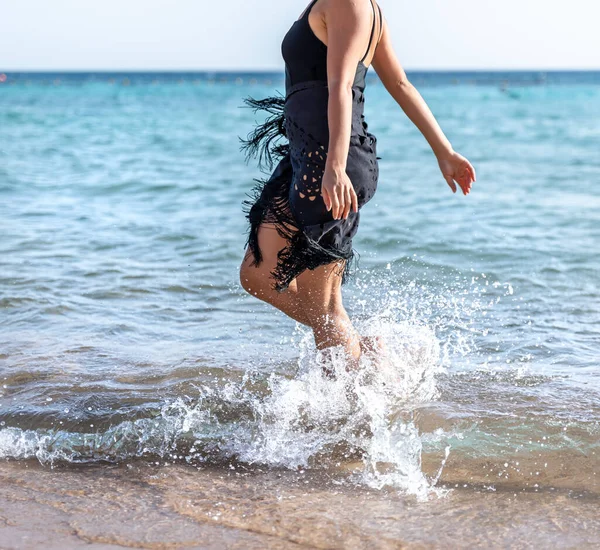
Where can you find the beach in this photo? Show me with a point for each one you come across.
(141, 505)
(146, 401)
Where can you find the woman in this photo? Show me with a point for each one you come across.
(303, 218)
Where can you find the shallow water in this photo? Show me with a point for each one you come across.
(125, 334)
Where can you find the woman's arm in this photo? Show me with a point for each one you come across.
(348, 24)
(453, 165)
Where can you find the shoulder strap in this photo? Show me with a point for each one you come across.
(307, 10)
(372, 32)
(380, 24)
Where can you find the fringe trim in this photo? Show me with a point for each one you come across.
(262, 142)
(269, 203)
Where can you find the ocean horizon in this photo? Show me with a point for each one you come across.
(481, 77)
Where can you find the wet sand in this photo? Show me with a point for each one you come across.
(144, 505)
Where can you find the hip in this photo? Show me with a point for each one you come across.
(308, 160)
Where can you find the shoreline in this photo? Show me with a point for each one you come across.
(144, 505)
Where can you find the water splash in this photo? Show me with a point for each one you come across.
(359, 420)
(307, 420)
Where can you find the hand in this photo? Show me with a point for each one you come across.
(456, 167)
(338, 194)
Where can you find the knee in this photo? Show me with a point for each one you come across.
(256, 281)
(250, 278)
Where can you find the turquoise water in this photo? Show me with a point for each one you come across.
(124, 330)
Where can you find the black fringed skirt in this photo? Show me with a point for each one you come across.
(290, 199)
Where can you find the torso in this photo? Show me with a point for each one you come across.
(307, 129)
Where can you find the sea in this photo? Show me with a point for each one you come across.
(126, 338)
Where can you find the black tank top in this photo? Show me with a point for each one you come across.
(305, 55)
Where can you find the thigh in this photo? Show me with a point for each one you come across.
(321, 288)
(270, 243)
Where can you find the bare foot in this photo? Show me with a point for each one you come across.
(372, 345)
(329, 355)
(325, 358)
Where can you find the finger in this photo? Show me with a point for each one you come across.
(335, 205)
(347, 202)
(326, 199)
(465, 171)
(472, 170)
(465, 182)
(354, 200)
(341, 201)
(467, 175)
(451, 183)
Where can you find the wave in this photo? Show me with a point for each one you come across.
(308, 420)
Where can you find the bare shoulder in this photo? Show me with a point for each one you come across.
(349, 8)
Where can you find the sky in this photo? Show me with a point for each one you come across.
(247, 34)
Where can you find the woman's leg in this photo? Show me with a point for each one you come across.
(257, 280)
(314, 298)
(319, 294)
